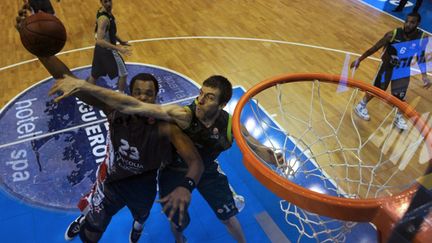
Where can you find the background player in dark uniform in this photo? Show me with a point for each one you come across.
(401, 46)
(106, 57)
(209, 127)
(402, 4)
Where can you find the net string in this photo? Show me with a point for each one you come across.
(310, 224)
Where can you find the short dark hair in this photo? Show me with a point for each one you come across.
(144, 77)
(415, 14)
(221, 83)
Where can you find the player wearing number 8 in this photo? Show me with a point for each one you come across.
(401, 47)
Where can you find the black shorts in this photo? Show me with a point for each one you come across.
(137, 193)
(213, 186)
(383, 78)
(107, 62)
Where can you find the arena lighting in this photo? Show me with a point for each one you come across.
(317, 188)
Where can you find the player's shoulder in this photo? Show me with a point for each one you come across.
(423, 34)
(102, 14)
(224, 116)
(392, 33)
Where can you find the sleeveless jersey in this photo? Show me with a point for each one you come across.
(210, 142)
(111, 31)
(401, 51)
(135, 145)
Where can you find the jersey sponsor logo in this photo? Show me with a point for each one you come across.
(129, 165)
(50, 151)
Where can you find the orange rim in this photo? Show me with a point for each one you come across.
(360, 210)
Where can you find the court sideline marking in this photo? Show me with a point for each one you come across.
(204, 38)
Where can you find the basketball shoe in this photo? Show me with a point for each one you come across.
(400, 122)
(135, 234)
(362, 111)
(239, 202)
(74, 228)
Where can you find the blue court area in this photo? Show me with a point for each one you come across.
(388, 5)
(50, 162)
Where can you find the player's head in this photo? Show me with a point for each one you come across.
(412, 22)
(106, 4)
(223, 85)
(144, 87)
(214, 95)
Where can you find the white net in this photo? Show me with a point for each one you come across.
(328, 148)
(314, 226)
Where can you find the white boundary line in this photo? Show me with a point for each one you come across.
(202, 38)
(211, 38)
(52, 133)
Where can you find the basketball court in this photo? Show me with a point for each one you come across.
(43, 171)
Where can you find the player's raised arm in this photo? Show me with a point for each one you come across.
(264, 152)
(57, 68)
(121, 102)
(51, 63)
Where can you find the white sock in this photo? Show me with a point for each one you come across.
(399, 115)
(138, 226)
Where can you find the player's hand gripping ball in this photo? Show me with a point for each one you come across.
(43, 34)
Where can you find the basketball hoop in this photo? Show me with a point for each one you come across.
(340, 145)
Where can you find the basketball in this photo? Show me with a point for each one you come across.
(43, 34)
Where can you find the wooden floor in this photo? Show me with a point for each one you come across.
(342, 25)
(315, 36)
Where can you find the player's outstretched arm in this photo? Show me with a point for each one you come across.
(121, 102)
(52, 64)
(264, 152)
(55, 66)
(382, 42)
(179, 198)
